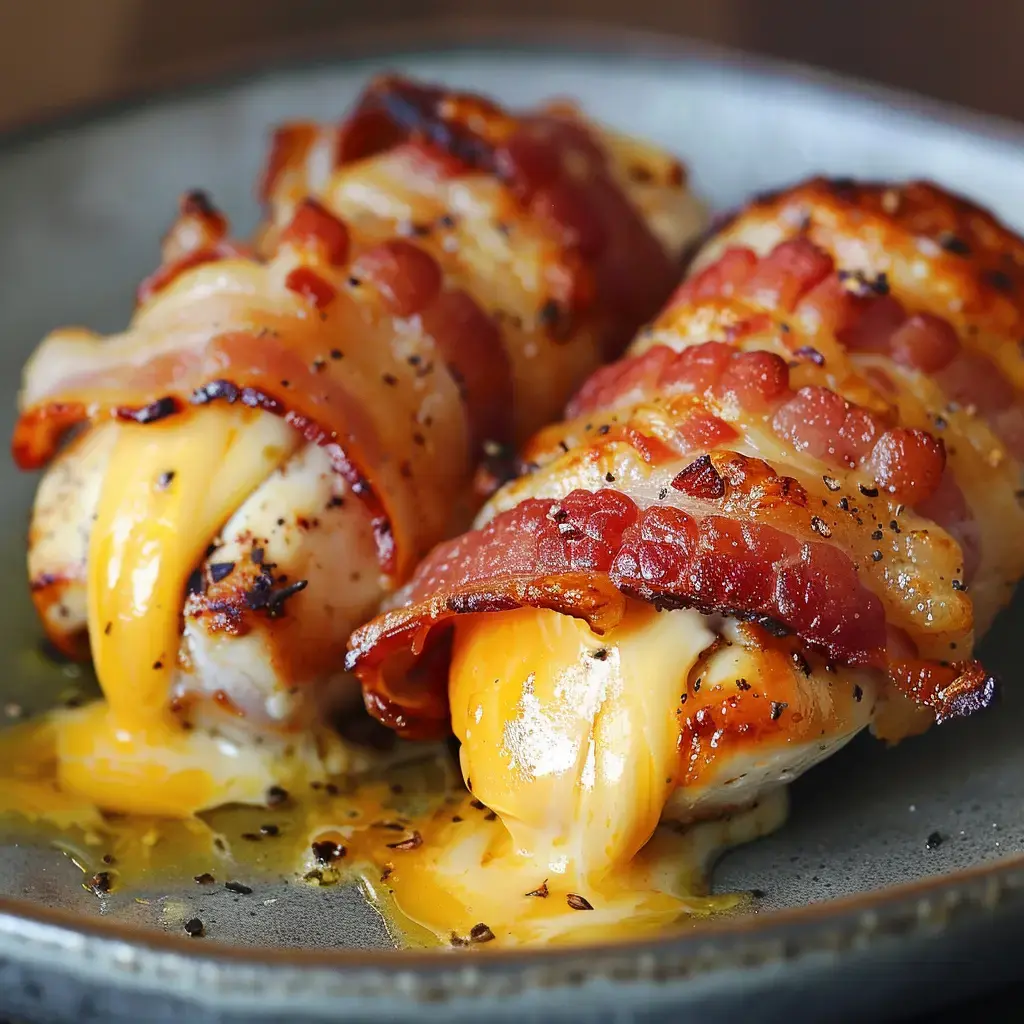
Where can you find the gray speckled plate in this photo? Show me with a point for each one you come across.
(860, 915)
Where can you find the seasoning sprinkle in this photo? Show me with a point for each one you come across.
(414, 841)
(541, 891)
(480, 933)
(239, 887)
(777, 707)
(270, 830)
(205, 878)
(819, 526)
(221, 570)
(327, 851)
(194, 928)
(100, 883)
(868, 492)
(276, 796)
(163, 481)
(386, 872)
(831, 482)
(934, 841)
(858, 692)
(577, 902)
(601, 654)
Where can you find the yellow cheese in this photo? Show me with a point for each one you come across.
(169, 489)
(572, 738)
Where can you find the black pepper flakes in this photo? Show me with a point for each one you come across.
(934, 841)
(238, 887)
(876, 556)
(954, 244)
(831, 482)
(336, 354)
(163, 481)
(389, 378)
(413, 842)
(577, 902)
(858, 692)
(385, 873)
(276, 796)
(541, 892)
(958, 585)
(877, 535)
(221, 570)
(819, 526)
(480, 933)
(1000, 280)
(204, 879)
(609, 478)
(868, 492)
(601, 654)
(194, 928)
(742, 684)
(777, 707)
(327, 851)
(100, 884)
(270, 830)
(810, 353)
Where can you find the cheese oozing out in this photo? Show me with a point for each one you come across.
(576, 748)
(169, 488)
(571, 747)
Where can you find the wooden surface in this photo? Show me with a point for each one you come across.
(59, 54)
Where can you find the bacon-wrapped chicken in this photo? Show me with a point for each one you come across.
(778, 520)
(280, 434)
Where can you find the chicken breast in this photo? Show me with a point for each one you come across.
(278, 437)
(746, 542)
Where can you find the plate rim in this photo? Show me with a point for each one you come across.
(915, 910)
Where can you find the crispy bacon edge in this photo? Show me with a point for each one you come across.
(614, 270)
(584, 554)
(409, 281)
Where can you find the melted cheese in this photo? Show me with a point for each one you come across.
(169, 488)
(570, 737)
(572, 740)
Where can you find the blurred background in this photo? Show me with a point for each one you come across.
(59, 54)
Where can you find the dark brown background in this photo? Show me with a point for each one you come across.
(56, 54)
(59, 55)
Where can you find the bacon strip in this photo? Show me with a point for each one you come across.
(313, 343)
(359, 340)
(578, 554)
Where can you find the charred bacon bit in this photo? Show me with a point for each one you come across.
(700, 479)
(316, 227)
(152, 413)
(556, 171)
(951, 690)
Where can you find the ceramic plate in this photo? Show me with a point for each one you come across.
(860, 911)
